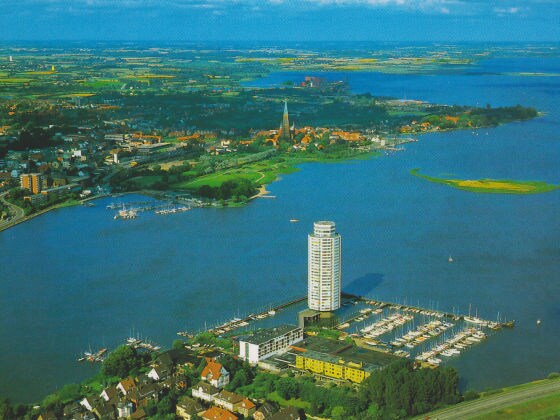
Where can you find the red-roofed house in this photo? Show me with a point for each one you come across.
(216, 374)
(217, 413)
(247, 407)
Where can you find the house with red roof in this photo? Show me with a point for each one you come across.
(217, 413)
(215, 374)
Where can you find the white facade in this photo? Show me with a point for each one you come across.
(268, 343)
(204, 393)
(324, 264)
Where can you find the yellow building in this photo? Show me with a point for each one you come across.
(333, 367)
(33, 182)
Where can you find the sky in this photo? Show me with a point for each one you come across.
(281, 20)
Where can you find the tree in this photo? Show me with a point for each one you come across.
(166, 405)
(177, 345)
(338, 413)
(402, 390)
(239, 379)
(6, 409)
(69, 392)
(201, 367)
(121, 361)
(471, 395)
(53, 403)
(287, 388)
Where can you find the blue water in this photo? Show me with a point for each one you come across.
(75, 278)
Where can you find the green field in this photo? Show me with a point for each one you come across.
(261, 173)
(146, 181)
(542, 408)
(15, 80)
(103, 83)
(491, 186)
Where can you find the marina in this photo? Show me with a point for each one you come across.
(237, 323)
(142, 344)
(425, 335)
(131, 210)
(93, 357)
(417, 333)
(137, 342)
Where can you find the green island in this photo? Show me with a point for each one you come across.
(491, 186)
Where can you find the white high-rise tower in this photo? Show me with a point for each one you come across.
(324, 261)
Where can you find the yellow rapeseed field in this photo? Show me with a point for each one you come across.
(494, 185)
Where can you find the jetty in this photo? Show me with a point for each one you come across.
(93, 357)
(138, 343)
(235, 323)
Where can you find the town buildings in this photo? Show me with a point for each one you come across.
(324, 267)
(33, 182)
(333, 367)
(266, 343)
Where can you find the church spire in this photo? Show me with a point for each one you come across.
(285, 133)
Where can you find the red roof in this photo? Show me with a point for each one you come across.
(247, 404)
(217, 413)
(212, 368)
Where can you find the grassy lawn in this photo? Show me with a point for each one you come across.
(68, 203)
(298, 403)
(516, 387)
(542, 408)
(217, 179)
(262, 173)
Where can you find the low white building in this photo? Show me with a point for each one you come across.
(268, 342)
(158, 373)
(205, 391)
(125, 409)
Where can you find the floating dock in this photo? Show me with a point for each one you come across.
(242, 322)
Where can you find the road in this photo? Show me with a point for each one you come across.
(495, 402)
(17, 211)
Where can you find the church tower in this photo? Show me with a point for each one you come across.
(285, 126)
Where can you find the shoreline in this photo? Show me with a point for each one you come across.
(262, 191)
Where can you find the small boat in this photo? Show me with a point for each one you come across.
(450, 259)
(294, 220)
(538, 322)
